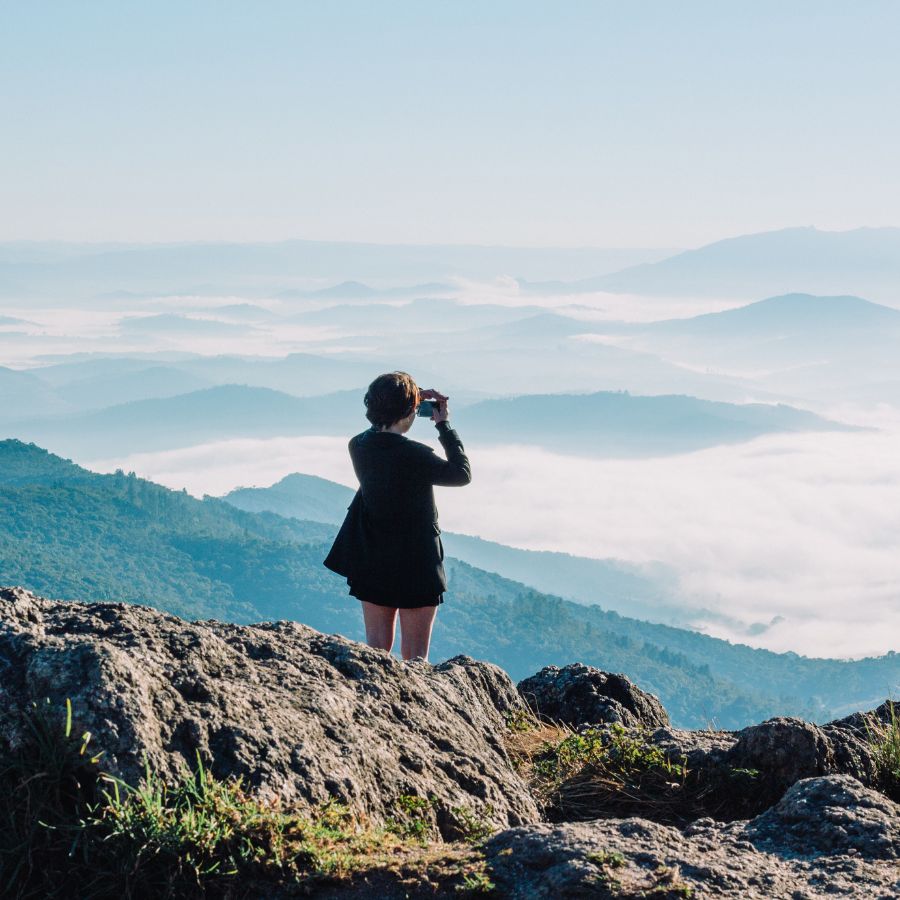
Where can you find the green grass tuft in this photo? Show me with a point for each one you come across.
(608, 858)
(885, 742)
(413, 818)
(473, 826)
(476, 883)
(47, 782)
(69, 830)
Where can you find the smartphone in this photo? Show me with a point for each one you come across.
(427, 407)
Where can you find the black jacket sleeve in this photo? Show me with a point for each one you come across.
(454, 471)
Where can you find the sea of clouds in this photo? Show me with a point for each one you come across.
(793, 537)
(790, 541)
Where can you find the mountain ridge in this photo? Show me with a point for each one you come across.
(864, 260)
(645, 592)
(798, 309)
(601, 423)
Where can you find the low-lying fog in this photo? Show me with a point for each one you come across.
(793, 536)
(785, 527)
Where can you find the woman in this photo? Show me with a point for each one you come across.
(389, 547)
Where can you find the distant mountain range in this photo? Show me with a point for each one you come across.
(809, 317)
(286, 268)
(67, 532)
(91, 383)
(795, 348)
(143, 383)
(301, 374)
(356, 290)
(556, 363)
(172, 323)
(862, 261)
(296, 496)
(23, 394)
(787, 314)
(801, 344)
(432, 315)
(600, 424)
(618, 423)
(215, 413)
(503, 356)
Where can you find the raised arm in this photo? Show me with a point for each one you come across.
(454, 471)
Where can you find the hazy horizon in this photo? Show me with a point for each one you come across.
(111, 241)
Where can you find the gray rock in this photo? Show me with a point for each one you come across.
(638, 858)
(307, 716)
(578, 694)
(785, 750)
(863, 724)
(700, 750)
(830, 815)
(298, 714)
(739, 774)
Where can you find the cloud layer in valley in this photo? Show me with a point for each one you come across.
(795, 536)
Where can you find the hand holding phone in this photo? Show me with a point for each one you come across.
(436, 409)
(433, 405)
(441, 411)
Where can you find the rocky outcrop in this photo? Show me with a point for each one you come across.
(783, 809)
(827, 837)
(726, 775)
(785, 750)
(582, 695)
(834, 815)
(863, 724)
(298, 714)
(769, 758)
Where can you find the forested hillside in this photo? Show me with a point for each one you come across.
(66, 532)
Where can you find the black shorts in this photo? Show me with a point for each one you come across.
(379, 598)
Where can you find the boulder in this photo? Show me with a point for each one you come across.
(830, 815)
(866, 725)
(578, 694)
(739, 774)
(785, 750)
(296, 713)
(699, 750)
(848, 853)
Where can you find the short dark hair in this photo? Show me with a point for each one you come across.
(391, 397)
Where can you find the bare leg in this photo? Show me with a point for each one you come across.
(380, 622)
(415, 631)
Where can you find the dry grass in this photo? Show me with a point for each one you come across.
(528, 740)
(601, 771)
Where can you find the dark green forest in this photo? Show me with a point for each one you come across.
(69, 533)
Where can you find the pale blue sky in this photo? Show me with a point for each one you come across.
(565, 123)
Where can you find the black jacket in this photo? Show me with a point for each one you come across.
(390, 538)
